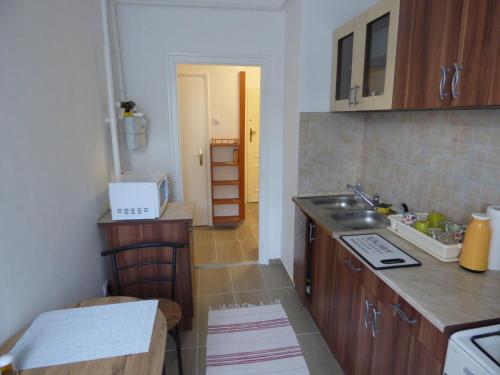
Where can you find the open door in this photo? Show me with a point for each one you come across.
(242, 153)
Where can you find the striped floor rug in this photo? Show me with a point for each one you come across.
(253, 340)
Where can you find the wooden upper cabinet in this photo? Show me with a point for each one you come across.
(364, 52)
(418, 54)
(478, 56)
(428, 43)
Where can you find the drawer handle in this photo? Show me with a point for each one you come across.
(350, 264)
(368, 306)
(403, 315)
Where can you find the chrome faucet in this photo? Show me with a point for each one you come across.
(359, 193)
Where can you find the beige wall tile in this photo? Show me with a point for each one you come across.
(446, 160)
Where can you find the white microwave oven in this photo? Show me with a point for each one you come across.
(134, 196)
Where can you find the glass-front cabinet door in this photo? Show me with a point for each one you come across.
(364, 58)
(344, 61)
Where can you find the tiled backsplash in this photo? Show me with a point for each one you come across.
(444, 160)
(330, 151)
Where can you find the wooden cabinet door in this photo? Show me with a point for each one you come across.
(427, 42)
(396, 346)
(351, 338)
(478, 55)
(392, 344)
(323, 282)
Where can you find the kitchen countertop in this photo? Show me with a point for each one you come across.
(443, 293)
(174, 212)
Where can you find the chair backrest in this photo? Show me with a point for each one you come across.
(121, 265)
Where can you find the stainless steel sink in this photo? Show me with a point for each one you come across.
(339, 203)
(359, 220)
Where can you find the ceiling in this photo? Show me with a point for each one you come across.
(272, 5)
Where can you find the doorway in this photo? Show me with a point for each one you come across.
(193, 115)
(219, 129)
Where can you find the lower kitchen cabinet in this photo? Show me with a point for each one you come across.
(376, 331)
(322, 257)
(351, 338)
(370, 328)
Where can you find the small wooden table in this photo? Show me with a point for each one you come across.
(144, 363)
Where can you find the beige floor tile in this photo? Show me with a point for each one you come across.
(246, 278)
(204, 253)
(214, 280)
(257, 298)
(254, 229)
(318, 356)
(250, 250)
(203, 234)
(225, 234)
(297, 314)
(276, 276)
(243, 233)
(207, 302)
(228, 252)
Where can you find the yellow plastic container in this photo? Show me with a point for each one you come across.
(476, 245)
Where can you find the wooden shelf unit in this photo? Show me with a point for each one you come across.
(234, 163)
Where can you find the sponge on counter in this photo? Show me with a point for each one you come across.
(384, 208)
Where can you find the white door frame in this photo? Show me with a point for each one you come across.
(207, 149)
(247, 140)
(264, 62)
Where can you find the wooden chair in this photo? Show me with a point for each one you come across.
(127, 274)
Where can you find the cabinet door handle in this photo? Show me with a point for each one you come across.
(349, 98)
(442, 82)
(350, 264)
(403, 315)
(311, 228)
(376, 317)
(368, 306)
(456, 78)
(356, 87)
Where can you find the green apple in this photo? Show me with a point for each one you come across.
(422, 226)
(435, 219)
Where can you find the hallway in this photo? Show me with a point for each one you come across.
(228, 245)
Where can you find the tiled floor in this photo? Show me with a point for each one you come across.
(249, 284)
(224, 245)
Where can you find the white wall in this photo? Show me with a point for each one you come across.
(293, 12)
(148, 33)
(224, 95)
(319, 19)
(53, 163)
(309, 27)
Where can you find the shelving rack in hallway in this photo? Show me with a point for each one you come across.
(227, 175)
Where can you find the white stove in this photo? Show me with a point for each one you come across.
(474, 352)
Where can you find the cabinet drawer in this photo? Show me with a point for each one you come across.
(351, 263)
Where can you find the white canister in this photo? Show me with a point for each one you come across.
(494, 255)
